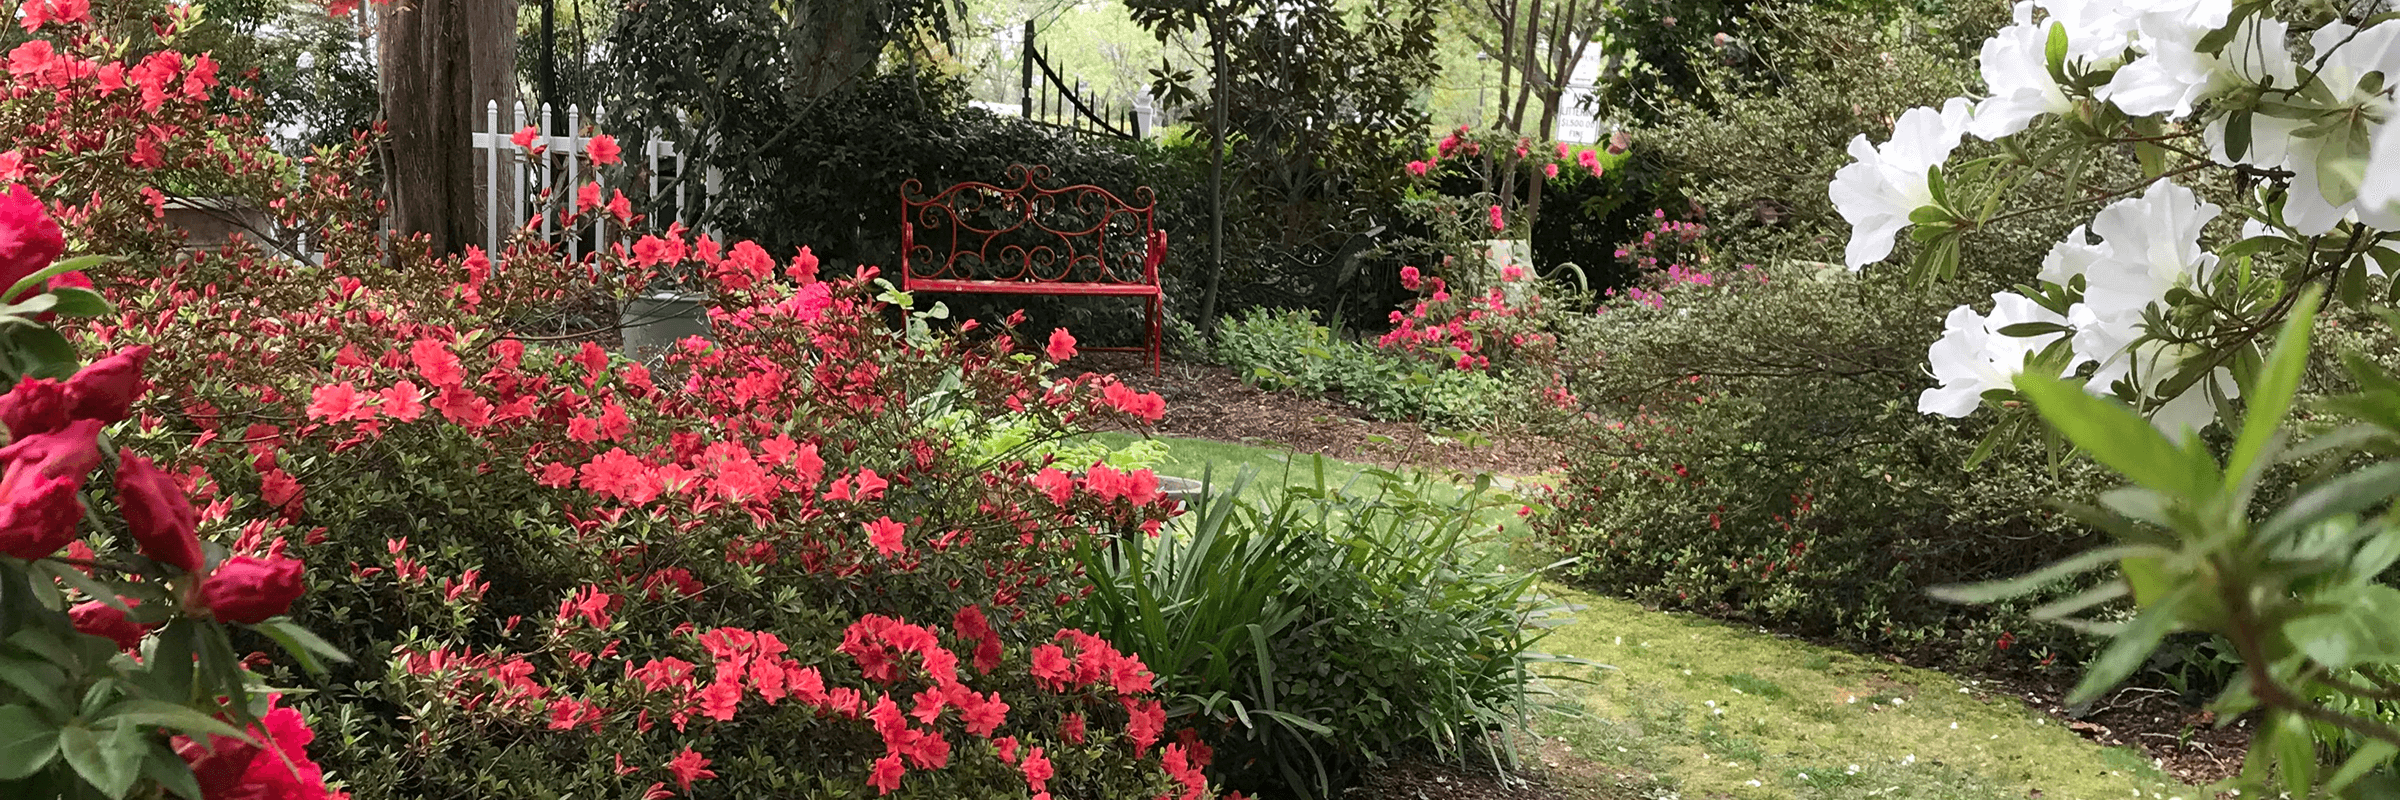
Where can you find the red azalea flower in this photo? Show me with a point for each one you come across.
(689, 766)
(1062, 345)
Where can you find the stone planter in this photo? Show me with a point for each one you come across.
(209, 222)
(654, 322)
(1499, 253)
(1181, 490)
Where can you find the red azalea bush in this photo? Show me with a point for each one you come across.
(775, 572)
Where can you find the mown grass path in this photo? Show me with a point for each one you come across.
(1691, 708)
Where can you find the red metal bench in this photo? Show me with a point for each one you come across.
(1076, 240)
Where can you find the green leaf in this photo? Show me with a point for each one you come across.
(298, 641)
(2131, 647)
(2358, 631)
(26, 742)
(2349, 493)
(82, 583)
(2271, 395)
(38, 680)
(30, 282)
(2295, 751)
(161, 714)
(170, 771)
(76, 301)
(2054, 53)
(2237, 134)
(1992, 591)
(2374, 753)
(108, 760)
(2119, 438)
(41, 352)
(2031, 329)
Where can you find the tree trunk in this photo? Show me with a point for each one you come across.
(428, 100)
(1216, 176)
(492, 50)
(837, 41)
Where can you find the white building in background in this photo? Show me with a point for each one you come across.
(1576, 123)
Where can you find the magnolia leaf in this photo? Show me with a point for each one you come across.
(170, 771)
(2374, 753)
(2237, 133)
(27, 742)
(2342, 164)
(311, 650)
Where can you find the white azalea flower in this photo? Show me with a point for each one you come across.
(1974, 357)
(2016, 71)
(2379, 191)
(2069, 258)
(2151, 244)
(2349, 55)
(2173, 74)
(1885, 184)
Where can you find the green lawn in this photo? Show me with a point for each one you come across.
(1695, 708)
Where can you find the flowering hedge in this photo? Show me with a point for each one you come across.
(788, 567)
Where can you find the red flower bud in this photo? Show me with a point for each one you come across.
(158, 512)
(36, 405)
(249, 590)
(39, 516)
(29, 239)
(105, 390)
(68, 452)
(105, 621)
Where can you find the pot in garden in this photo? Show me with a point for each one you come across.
(654, 322)
(209, 222)
(1499, 253)
(1181, 490)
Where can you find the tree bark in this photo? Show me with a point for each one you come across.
(492, 54)
(1216, 173)
(428, 100)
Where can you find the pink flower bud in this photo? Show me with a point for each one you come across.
(105, 391)
(103, 620)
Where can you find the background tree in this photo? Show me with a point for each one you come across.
(442, 61)
(1537, 44)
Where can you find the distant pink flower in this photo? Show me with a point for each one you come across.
(1419, 168)
(1550, 170)
(604, 150)
(1410, 279)
(886, 535)
(1497, 222)
(1512, 273)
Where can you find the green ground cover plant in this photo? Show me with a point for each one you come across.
(1287, 349)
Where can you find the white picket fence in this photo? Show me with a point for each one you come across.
(677, 195)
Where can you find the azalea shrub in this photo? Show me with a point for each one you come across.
(813, 554)
(1770, 476)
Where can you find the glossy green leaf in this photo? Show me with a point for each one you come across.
(2271, 395)
(2374, 753)
(311, 650)
(2131, 646)
(27, 284)
(2364, 629)
(2347, 494)
(27, 742)
(169, 771)
(107, 759)
(76, 301)
(1991, 591)
(2119, 438)
(156, 713)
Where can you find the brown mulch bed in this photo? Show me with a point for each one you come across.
(1210, 402)
(2184, 739)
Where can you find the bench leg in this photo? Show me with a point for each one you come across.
(1157, 336)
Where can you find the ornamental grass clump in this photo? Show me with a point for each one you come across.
(1315, 633)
